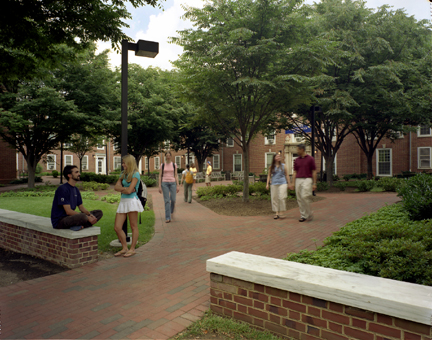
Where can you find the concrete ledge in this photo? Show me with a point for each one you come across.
(43, 224)
(389, 297)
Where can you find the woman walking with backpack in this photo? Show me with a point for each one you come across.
(188, 180)
(129, 205)
(168, 184)
(279, 185)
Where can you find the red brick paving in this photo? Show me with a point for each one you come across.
(167, 278)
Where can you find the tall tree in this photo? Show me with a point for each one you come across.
(37, 119)
(83, 143)
(247, 60)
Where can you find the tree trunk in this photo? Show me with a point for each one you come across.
(369, 157)
(80, 160)
(31, 173)
(329, 169)
(246, 174)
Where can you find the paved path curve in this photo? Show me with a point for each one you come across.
(164, 288)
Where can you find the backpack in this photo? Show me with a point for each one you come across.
(142, 195)
(189, 177)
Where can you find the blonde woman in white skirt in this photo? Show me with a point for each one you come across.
(129, 206)
(279, 185)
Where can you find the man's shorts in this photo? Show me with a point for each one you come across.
(207, 179)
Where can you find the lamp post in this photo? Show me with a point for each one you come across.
(314, 109)
(142, 48)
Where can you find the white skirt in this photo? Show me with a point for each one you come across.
(127, 205)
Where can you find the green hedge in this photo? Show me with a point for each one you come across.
(225, 190)
(416, 193)
(385, 243)
(98, 178)
(148, 181)
(389, 183)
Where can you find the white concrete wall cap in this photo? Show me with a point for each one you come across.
(43, 224)
(399, 299)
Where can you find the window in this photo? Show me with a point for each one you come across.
(424, 130)
(167, 145)
(298, 138)
(68, 159)
(178, 161)
(424, 157)
(145, 163)
(84, 163)
(117, 162)
(67, 145)
(237, 162)
(269, 159)
(156, 163)
(101, 146)
(191, 159)
(230, 142)
(334, 165)
(384, 162)
(270, 139)
(51, 162)
(216, 162)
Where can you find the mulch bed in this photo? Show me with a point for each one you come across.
(234, 206)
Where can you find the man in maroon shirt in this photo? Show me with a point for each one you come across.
(305, 179)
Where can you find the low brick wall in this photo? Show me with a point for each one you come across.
(67, 248)
(301, 316)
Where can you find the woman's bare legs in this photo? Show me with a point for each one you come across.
(133, 220)
(118, 227)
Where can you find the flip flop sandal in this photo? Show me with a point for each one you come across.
(129, 254)
(276, 217)
(302, 219)
(120, 253)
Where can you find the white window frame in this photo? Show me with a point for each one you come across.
(334, 166)
(423, 135)
(114, 162)
(48, 163)
(67, 145)
(218, 161)
(229, 145)
(391, 163)
(265, 159)
(102, 147)
(145, 163)
(302, 138)
(241, 162)
(178, 164)
(87, 164)
(65, 156)
(167, 145)
(158, 161)
(430, 157)
(267, 140)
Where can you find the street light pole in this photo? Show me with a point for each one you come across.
(142, 48)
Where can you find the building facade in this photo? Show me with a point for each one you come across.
(411, 152)
(8, 164)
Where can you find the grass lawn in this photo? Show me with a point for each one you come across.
(213, 326)
(41, 206)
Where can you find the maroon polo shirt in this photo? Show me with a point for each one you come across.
(304, 166)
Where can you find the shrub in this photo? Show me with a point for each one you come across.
(341, 185)
(224, 190)
(346, 177)
(148, 181)
(93, 177)
(322, 186)
(416, 193)
(385, 243)
(258, 188)
(336, 178)
(55, 173)
(111, 198)
(389, 183)
(38, 169)
(89, 196)
(365, 185)
(237, 182)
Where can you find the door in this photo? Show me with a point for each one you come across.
(100, 165)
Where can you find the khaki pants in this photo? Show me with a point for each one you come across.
(278, 196)
(303, 187)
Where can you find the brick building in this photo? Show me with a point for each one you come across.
(7, 162)
(410, 152)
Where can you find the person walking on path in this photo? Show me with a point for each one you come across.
(194, 171)
(279, 185)
(187, 180)
(208, 174)
(169, 186)
(67, 197)
(129, 205)
(304, 179)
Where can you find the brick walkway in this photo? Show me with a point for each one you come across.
(164, 288)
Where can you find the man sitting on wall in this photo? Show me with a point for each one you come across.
(67, 197)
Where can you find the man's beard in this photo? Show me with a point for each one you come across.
(76, 178)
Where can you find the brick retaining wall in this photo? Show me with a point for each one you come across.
(66, 248)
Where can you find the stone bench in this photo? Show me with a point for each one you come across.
(302, 301)
(34, 235)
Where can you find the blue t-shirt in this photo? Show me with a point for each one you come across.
(127, 184)
(65, 194)
(278, 175)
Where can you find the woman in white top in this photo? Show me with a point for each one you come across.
(168, 184)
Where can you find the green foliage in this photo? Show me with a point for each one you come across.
(111, 198)
(38, 169)
(55, 173)
(385, 243)
(336, 178)
(341, 185)
(25, 180)
(258, 188)
(224, 190)
(99, 178)
(416, 193)
(148, 181)
(389, 183)
(89, 196)
(237, 182)
(365, 185)
(322, 186)
(92, 186)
